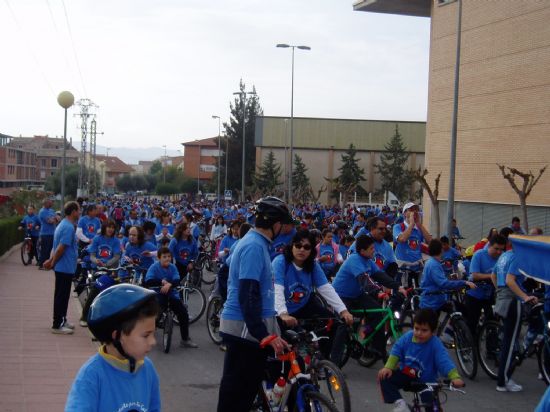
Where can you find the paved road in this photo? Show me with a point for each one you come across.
(190, 379)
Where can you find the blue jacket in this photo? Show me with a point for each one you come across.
(435, 280)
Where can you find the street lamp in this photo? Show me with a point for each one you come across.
(243, 97)
(286, 46)
(226, 157)
(164, 166)
(65, 100)
(219, 151)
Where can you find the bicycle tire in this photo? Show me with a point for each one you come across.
(465, 348)
(168, 327)
(25, 252)
(488, 347)
(543, 358)
(208, 276)
(367, 359)
(195, 301)
(213, 311)
(332, 383)
(316, 402)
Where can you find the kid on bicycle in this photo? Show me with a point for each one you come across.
(418, 356)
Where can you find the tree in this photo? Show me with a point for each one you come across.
(268, 177)
(155, 168)
(53, 183)
(529, 182)
(166, 189)
(302, 191)
(392, 167)
(420, 177)
(234, 133)
(351, 175)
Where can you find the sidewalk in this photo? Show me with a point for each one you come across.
(37, 367)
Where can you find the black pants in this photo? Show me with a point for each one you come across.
(46, 244)
(365, 301)
(511, 327)
(398, 380)
(243, 369)
(179, 310)
(474, 307)
(62, 293)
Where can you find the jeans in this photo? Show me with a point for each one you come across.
(398, 380)
(46, 244)
(62, 293)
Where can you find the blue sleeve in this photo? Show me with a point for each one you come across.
(248, 263)
(442, 358)
(475, 266)
(279, 269)
(151, 272)
(396, 232)
(174, 274)
(437, 276)
(66, 236)
(84, 394)
(399, 346)
(318, 276)
(92, 248)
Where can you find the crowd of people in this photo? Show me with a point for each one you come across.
(274, 260)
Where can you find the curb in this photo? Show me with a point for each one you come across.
(9, 252)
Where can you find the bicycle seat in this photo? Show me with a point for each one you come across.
(291, 336)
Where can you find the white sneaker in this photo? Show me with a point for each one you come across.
(83, 323)
(68, 325)
(510, 386)
(400, 406)
(62, 331)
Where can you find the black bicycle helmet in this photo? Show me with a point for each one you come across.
(273, 210)
(342, 225)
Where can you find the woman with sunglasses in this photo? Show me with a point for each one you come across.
(296, 275)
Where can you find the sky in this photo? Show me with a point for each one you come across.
(159, 70)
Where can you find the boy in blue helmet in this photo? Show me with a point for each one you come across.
(119, 377)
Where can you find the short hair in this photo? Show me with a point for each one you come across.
(163, 251)
(105, 225)
(346, 239)
(497, 239)
(426, 317)
(325, 231)
(148, 225)
(515, 219)
(148, 310)
(140, 234)
(435, 247)
(363, 242)
(506, 231)
(243, 230)
(444, 239)
(70, 207)
(373, 222)
(234, 223)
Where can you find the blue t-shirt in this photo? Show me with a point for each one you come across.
(104, 248)
(435, 280)
(135, 254)
(327, 250)
(250, 260)
(227, 242)
(449, 260)
(279, 243)
(169, 227)
(409, 251)
(347, 281)
(343, 249)
(383, 253)
(429, 360)
(90, 226)
(170, 274)
(30, 222)
(298, 283)
(483, 263)
(183, 251)
(46, 228)
(65, 234)
(99, 386)
(507, 264)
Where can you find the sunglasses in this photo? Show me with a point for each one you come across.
(302, 246)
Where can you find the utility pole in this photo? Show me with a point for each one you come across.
(86, 108)
(164, 166)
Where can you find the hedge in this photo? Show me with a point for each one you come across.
(9, 235)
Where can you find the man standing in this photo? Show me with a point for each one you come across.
(63, 260)
(48, 220)
(516, 226)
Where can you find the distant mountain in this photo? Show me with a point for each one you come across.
(132, 155)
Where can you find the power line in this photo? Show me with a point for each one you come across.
(74, 48)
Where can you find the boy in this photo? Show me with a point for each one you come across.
(31, 224)
(119, 377)
(165, 274)
(418, 356)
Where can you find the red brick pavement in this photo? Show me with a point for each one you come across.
(36, 366)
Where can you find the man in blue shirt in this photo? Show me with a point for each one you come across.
(31, 225)
(63, 260)
(48, 221)
(248, 323)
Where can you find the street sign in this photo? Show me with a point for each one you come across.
(228, 195)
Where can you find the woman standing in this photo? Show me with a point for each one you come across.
(184, 249)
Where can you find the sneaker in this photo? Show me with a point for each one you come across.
(62, 330)
(400, 406)
(83, 323)
(510, 386)
(68, 325)
(188, 344)
(540, 377)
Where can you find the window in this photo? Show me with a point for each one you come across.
(54, 163)
(43, 162)
(51, 173)
(209, 152)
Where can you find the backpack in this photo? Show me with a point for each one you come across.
(119, 214)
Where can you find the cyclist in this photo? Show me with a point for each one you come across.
(138, 251)
(164, 273)
(450, 257)
(328, 254)
(418, 356)
(31, 224)
(184, 249)
(357, 284)
(229, 240)
(297, 277)
(248, 321)
(122, 318)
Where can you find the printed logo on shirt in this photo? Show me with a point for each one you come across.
(105, 251)
(279, 248)
(298, 292)
(447, 264)
(184, 253)
(29, 226)
(413, 244)
(378, 260)
(135, 258)
(330, 257)
(91, 229)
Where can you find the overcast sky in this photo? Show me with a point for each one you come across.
(158, 70)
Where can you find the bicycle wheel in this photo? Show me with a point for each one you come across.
(26, 248)
(213, 312)
(168, 327)
(195, 301)
(331, 382)
(208, 273)
(488, 347)
(316, 402)
(465, 348)
(543, 357)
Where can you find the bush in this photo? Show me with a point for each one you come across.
(10, 235)
(166, 189)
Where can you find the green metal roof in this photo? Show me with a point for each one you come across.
(314, 133)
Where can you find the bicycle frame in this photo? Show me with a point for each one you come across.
(388, 317)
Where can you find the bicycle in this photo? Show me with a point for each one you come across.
(27, 250)
(192, 297)
(213, 315)
(300, 393)
(436, 388)
(165, 321)
(205, 261)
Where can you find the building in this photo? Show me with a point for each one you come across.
(503, 105)
(109, 168)
(201, 159)
(17, 167)
(321, 142)
(49, 153)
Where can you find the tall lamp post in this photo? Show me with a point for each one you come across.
(164, 166)
(243, 97)
(226, 157)
(219, 152)
(286, 46)
(65, 100)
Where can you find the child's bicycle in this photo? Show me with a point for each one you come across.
(437, 389)
(165, 321)
(192, 297)
(27, 250)
(300, 392)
